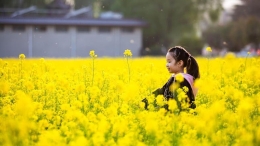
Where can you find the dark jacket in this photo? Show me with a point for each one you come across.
(165, 91)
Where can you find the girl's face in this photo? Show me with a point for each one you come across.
(172, 65)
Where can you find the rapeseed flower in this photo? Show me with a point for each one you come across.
(127, 53)
(4, 88)
(230, 55)
(21, 56)
(22, 100)
(208, 49)
(47, 104)
(174, 86)
(160, 100)
(42, 60)
(179, 78)
(92, 54)
(172, 105)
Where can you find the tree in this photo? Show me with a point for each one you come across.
(249, 8)
(216, 36)
(243, 30)
(248, 13)
(22, 3)
(168, 20)
(234, 35)
(193, 44)
(253, 30)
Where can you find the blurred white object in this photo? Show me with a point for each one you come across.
(111, 15)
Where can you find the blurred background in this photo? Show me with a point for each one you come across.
(71, 28)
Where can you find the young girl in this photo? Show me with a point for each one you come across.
(177, 60)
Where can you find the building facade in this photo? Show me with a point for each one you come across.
(52, 37)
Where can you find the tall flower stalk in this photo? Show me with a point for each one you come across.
(243, 69)
(93, 56)
(248, 53)
(128, 54)
(209, 50)
(21, 57)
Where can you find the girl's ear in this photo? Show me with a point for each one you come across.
(180, 63)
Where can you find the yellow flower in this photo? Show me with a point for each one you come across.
(172, 104)
(42, 60)
(181, 94)
(208, 49)
(179, 78)
(48, 114)
(5, 87)
(22, 100)
(92, 54)
(230, 55)
(141, 105)
(21, 56)
(248, 53)
(174, 86)
(185, 89)
(127, 53)
(160, 100)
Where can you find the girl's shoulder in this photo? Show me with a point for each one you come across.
(186, 76)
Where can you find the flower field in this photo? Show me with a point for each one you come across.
(97, 101)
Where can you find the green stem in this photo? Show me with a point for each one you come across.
(208, 67)
(21, 67)
(243, 70)
(85, 70)
(208, 64)
(128, 68)
(92, 71)
(221, 74)
(245, 61)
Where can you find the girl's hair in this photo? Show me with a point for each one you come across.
(179, 53)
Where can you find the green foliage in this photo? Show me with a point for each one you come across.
(243, 30)
(155, 50)
(80, 3)
(192, 44)
(168, 21)
(234, 35)
(253, 30)
(214, 15)
(248, 9)
(215, 35)
(22, 3)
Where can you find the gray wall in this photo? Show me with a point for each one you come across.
(51, 43)
(13, 43)
(71, 43)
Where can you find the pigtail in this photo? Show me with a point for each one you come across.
(193, 67)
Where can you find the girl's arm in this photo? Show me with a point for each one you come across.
(160, 91)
